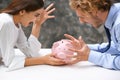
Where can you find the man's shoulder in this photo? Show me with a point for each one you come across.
(116, 5)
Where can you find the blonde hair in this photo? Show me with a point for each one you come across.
(89, 5)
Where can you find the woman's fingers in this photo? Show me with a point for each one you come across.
(50, 17)
(49, 7)
(50, 11)
(54, 61)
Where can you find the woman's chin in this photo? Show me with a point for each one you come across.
(26, 25)
(29, 24)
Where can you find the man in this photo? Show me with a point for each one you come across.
(96, 13)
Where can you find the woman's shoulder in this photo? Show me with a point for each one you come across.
(5, 19)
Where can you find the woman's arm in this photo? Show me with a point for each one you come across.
(47, 59)
(41, 19)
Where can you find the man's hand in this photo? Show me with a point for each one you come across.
(80, 47)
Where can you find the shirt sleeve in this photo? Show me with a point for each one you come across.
(109, 59)
(17, 62)
(7, 49)
(11, 60)
(97, 47)
(30, 47)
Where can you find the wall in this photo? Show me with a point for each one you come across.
(65, 21)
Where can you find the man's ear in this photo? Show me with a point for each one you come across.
(94, 12)
(22, 12)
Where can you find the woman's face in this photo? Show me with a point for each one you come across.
(29, 17)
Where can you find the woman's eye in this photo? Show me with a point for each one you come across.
(36, 15)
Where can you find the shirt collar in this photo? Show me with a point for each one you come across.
(112, 16)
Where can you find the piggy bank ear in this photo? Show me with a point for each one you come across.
(56, 44)
(54, 47)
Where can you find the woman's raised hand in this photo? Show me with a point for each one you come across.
(45, 14)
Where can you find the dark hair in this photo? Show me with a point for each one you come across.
(28, 5)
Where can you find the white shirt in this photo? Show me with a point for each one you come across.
(11, 36)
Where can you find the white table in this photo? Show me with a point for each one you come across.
(79, 71)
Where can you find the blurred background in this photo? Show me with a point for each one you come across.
(65, 21)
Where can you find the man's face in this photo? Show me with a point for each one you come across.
(89, 18)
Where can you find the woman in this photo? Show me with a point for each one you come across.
(17, 13)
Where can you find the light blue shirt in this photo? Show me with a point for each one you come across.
(111, 58)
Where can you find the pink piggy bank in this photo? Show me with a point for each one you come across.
(61, 49)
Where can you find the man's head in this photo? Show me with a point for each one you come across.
(93, 12)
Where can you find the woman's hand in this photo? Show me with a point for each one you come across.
(80, 47)
(47, 59)
(40, 19)
(44, 15)
(51, 60)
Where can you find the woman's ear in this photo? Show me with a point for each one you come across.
(22, 12)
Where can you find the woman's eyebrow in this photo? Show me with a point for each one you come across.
(37, 14)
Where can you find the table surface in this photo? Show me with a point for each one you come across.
(80, 71)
